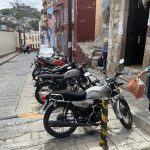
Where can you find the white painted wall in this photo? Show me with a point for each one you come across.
(8, 42)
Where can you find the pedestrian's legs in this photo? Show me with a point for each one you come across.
(104, 60)
(148, 91)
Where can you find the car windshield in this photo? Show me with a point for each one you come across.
(46, 50)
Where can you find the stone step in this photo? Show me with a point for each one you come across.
(98, 54)
(95, 58)
(94, 61)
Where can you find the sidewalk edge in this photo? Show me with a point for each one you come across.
(9, 59)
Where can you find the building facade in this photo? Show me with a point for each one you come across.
(47, 24)
(31, 39)
(129, 34)
(45, 6)
(86, 23)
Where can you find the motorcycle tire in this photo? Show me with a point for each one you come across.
(50, 129)
(126, 111)
(38, 89)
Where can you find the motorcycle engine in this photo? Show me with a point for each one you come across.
(96, 115)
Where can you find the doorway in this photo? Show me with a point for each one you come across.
(136, 33)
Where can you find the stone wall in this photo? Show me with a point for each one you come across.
(146, 60)
(117, 33)
(8, 42)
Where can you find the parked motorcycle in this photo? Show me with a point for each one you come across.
(41, 63)
(73, 79)
(65, 111)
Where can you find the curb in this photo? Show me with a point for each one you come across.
(9, 117)
(141, 123)
(9, 59)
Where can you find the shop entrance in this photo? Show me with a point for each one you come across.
(136, 33)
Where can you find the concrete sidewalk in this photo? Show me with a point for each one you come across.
(8, 57)
(138, 106)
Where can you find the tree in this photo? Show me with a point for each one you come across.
(34, 25)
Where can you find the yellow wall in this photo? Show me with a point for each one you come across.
(32, 38)
(98, 23)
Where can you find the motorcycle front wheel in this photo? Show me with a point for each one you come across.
(35, 72)
(126, 120)
(59, 113)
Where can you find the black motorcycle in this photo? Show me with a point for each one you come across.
(73, 79)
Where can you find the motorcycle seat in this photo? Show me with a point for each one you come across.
(51, 76)
(71, 96)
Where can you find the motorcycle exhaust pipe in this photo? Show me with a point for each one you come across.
(66, 124)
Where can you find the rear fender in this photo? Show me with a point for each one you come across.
(47, 104)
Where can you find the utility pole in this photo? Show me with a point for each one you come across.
(24, 35)
(70, 29)
(17, 6)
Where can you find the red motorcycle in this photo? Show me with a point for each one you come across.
(41, 63)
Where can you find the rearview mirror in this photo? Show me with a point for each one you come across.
(120, 67)
(87, 74)
(121, 61)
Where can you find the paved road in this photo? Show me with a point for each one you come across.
(17, 97)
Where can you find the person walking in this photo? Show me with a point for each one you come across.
(28, 49)
(104, 53)
(24, 49)
(146, 71)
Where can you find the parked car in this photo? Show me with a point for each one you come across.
(46, 52)
(43, 45)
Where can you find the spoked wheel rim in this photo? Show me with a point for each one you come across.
(58, 114)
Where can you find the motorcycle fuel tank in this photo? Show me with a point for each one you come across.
(98, 92)
(74, 73)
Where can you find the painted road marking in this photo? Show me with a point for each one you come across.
(31, 115)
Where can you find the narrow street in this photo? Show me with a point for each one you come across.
(22, 129)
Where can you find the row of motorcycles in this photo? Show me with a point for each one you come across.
(72, 97)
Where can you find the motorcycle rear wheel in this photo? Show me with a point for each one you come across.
(41, 88)
(126, 120)
(60, 116)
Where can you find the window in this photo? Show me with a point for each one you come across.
(35, 38)
(32, 38)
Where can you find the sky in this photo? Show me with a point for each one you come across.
(33, 3)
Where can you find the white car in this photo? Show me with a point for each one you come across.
(46, 52)
(41, 46)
